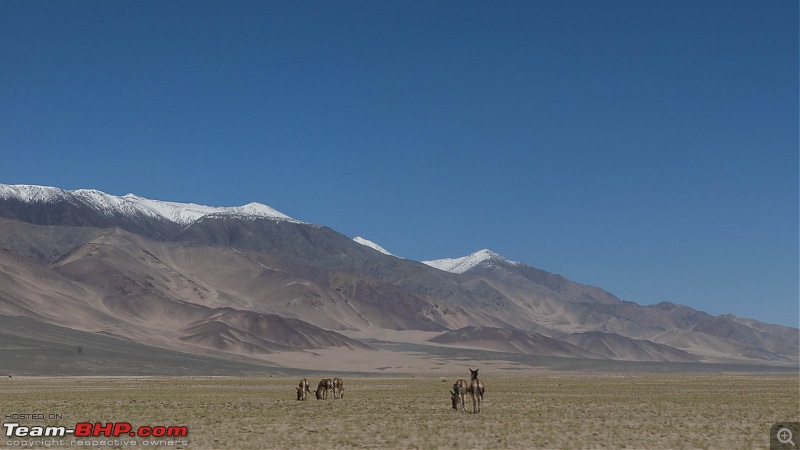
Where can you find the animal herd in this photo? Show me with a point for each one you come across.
(326, 384)
(458, 394)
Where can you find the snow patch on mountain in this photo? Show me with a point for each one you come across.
(463, 264)
(372, 245)
(132, 205)
(32, 194)
(186, 213)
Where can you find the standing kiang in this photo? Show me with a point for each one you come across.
(475, 390)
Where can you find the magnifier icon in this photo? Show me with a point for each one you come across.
(784, 436)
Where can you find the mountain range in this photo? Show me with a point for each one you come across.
(247, 283)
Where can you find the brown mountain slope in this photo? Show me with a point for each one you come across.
(42, 244)
(505, 340)
(215, 276)
(614, 346)
(94, 290)
(35, 348)
(172, 294)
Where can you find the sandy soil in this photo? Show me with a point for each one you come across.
(392, 362)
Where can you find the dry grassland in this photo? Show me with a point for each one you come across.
(566, 411)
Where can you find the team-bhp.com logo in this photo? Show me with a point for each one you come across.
(28, 435)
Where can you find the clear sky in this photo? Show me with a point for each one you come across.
(649, 147)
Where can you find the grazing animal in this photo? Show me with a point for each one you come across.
(475, 390)
(459, 394)
(338, 388)
(323, 387)
(303, 389)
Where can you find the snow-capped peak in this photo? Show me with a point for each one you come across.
(372, 245)
(259, 209)
(463, 264)
(130, 204)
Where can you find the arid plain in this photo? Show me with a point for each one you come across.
(549, 410)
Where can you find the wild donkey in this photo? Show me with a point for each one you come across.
(303, 389)
(459, 394)
(475, 390)
(324, 385)
(338, 388)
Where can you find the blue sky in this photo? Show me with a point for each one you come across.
(646, 147)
